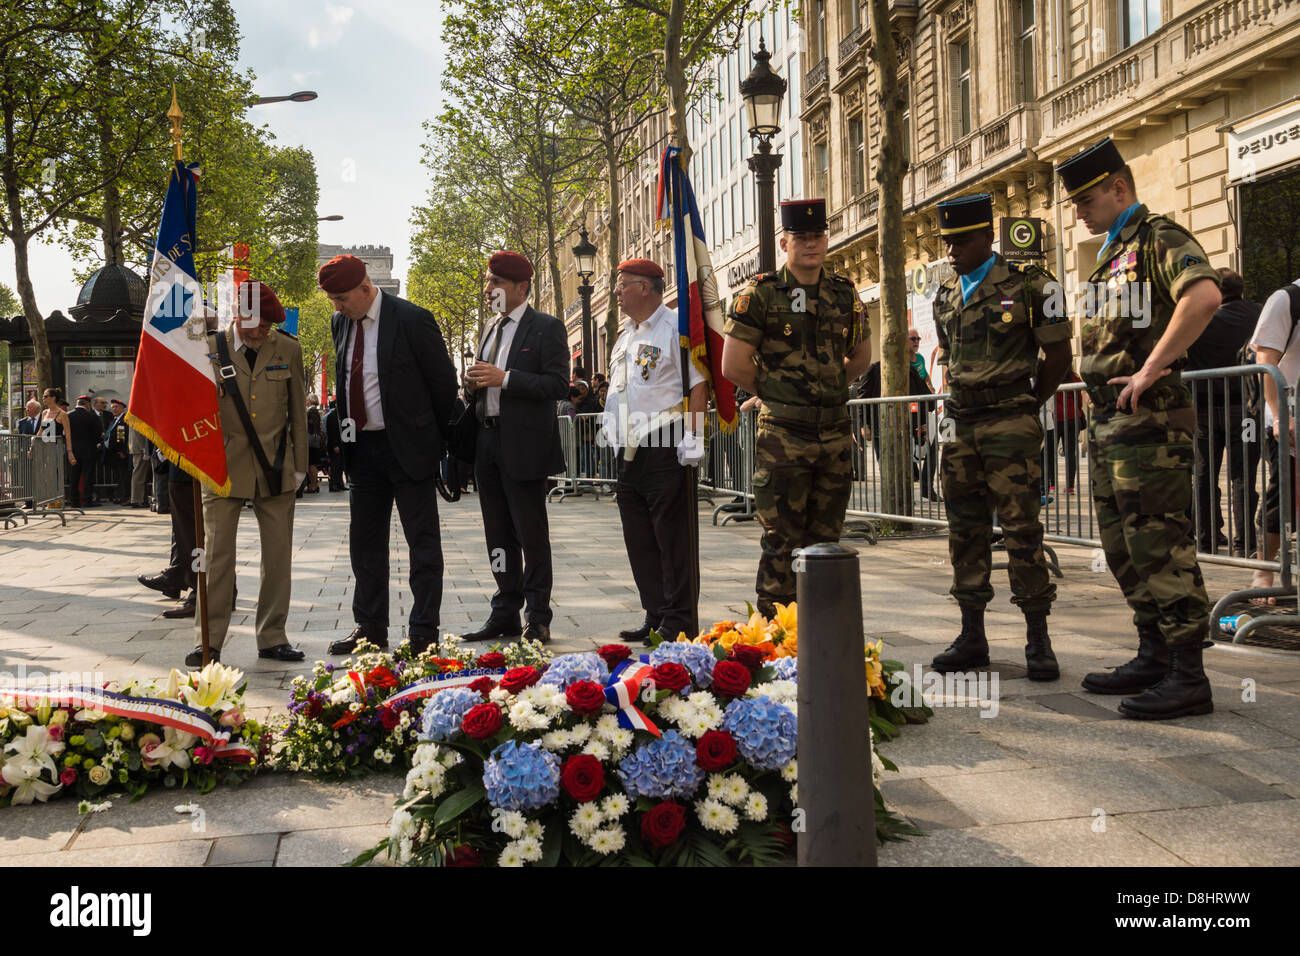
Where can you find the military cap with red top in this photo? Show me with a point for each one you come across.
(510, 265)
(117, 401)
(341, 274)
(262, 298)
(641, 267)
(803, 215)
(1088, 168)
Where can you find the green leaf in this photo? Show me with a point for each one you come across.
(364, 857)
(458, 803)
(552, 844)
(719, 652)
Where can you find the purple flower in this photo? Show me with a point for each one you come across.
(329, 668)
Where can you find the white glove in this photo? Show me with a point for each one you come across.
(691, 450)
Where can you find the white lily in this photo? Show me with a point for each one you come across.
(35, 749)
(213, 688)
(27, 786)
(172, 751)
(89, 716)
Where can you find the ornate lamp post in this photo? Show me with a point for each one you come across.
(762, 91)
(585, 254)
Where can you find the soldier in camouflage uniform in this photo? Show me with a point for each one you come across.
(991, 318)
(1149, 297)
(796, 338)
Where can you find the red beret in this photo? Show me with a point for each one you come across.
(510, 265)
(341, 274)
(641, 267)
(83, 398)
(268, 305)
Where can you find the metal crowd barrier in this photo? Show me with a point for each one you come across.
(31, 478)
(728, 469)
(589, 466)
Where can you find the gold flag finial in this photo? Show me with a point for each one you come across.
(174, 115)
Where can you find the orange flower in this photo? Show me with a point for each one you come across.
(786, 620)
(768, 649)
(448, 663)
(728, 638)
(755, 631)
(715, 632)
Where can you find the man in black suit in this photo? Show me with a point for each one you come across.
(84, 440)
(396, 390)
(31, 425)
(521, 372)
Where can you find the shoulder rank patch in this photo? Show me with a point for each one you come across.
(1190, 261)
(742, 305)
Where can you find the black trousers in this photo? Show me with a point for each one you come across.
(180, 496)
(518, 537)
(81, 477)
(1212, 440)
(654, 507)
(377, 481)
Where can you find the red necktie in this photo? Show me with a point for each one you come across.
(356, 387)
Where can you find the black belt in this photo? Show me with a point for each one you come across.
(491, 421)
(813, 414)
(972, 397)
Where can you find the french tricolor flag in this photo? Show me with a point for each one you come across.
(699, 313)
(174, 394)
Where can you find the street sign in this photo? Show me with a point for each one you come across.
(1021, 238)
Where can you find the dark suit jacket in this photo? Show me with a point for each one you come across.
(417, 383)
(539, 377)
(29, 426)
(86, 431)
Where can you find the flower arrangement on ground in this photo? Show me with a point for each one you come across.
(361, 715)
(84, 741)
(684, 758)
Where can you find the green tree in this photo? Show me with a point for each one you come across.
(314, 314)
(9, 304)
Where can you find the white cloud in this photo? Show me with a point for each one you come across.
(337, 20)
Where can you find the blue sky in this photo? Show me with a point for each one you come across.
(376, 67)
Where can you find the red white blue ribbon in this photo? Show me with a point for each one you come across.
(150, 710)
(622, 689)
(428, 686)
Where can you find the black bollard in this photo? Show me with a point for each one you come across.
(836, 822)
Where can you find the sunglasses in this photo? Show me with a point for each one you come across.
(914, 338)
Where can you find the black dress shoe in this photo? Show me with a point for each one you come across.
(492, 629)
(160, 582)
(280, 652)
(537, 632)
(349, 644)
(186, 609)
(195, 657)
(639, 634)
(421, 644)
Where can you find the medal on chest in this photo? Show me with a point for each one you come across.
(647, 358)
(1007, 303)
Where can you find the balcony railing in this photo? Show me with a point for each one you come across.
(849, 45)
(988, 146)
(1098, 89)
(814, 79)
(1226, 21)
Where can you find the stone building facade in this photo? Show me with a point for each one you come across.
(378, 260)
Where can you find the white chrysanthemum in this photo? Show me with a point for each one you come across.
(597, 749)
(533, 830)
(404, 849)
(697, 726)
(530, 849)
(405, 719)
(756, 806)
(608, 840)
(524, 716)
(513, 824)
(716, 816)
(701, 698)
(555, 740)
(511, 856)
(580, 733)
(717, 783)
(781, 691)
(450, 758)
(621, 739)
(402, 826)
(615, 805)
(674, 708)
(794, 794)
(734, 789)
(499, 695)
(556, 703)
(356, 707)
(606, 725)
(586, 819)
(790, 772)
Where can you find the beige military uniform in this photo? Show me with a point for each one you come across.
(275, 395)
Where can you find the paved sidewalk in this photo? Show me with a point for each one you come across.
(1056, 777)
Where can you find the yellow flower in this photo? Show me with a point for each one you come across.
(755, 631)
(128, 731)
(59, 718)
(875, 670)
(789, 647)
(787, 618)
(728, 638)
(214, 687)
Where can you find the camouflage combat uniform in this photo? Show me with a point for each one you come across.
(803, 457)
(994, 458)
(1142, 461)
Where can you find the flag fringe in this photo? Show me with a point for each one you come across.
(700, 359)
(176, 458)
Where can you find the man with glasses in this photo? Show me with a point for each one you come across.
(796, 338)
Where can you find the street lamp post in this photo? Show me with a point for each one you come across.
(585, 253)
(302, 96)
(762, 91)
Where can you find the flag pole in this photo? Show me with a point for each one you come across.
(689, 472)
(174, 116)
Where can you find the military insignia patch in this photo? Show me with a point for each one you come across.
(787, 330)
(1190, 261)
(1007, 302)
(857, 304)
(742, 304)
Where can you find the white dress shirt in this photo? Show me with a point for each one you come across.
(369, 365)
(645, 380)
(511, 320)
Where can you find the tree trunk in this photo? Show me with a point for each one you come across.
(675, 80)
(552, 250)
(112, 224)
(896, 424)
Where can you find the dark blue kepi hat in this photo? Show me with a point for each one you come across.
(1090, 167)
(803, 215)
(965, 214)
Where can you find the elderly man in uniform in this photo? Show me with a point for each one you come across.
(1150, 295)
(992, 317)
(654, 445)
(261, 400)
(796, 338)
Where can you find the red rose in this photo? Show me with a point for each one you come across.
(482, 721)
(463, 855)
(492, 659)
(670, 676)
(716, 750)
(730, 679)
(381, 676)
(747, 655)
(483, 685)
(517, 678)
(582, 777)
(313, 708)
(614, 654)
(585, 697)
(389, 718)
(663, 824)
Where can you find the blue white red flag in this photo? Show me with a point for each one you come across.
(699, 312)
(174, 394)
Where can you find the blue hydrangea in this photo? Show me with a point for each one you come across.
(766, 732)
(445, 710)
(696, 658)
(570, 668)
(521, 776)
(786, 668)
(662, 768)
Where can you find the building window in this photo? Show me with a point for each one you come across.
(796, 167)
(1025, 27)
(736, 212)
(776, 29)
(821, 168)
(852, 16)
(818, 37)
(746, 201)
(857, 157)
(792, 101)
(905, 94)
(725, 232)
(713, 159)
(960, 71)
(1138, 19)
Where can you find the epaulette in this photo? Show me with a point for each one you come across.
(765, 277)
(288, 333)
(836, 277)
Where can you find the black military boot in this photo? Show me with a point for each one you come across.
(1039, 659)
(970, 650)
(1184, 692)
(1145, 670)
